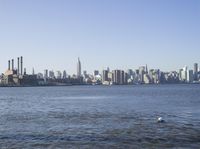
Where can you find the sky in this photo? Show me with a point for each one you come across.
(120, 34)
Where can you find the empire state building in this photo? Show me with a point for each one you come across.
(78, 69)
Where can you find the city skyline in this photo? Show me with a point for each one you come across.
(143, 75)
(116, 34)
(18, 66)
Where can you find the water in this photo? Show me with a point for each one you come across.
(100, 117)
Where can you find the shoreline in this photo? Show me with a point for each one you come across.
(19, 86)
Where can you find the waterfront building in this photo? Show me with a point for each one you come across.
(51, 74)
(151, 73)
(125, 78)
(116, 77)
(79, 68)
(64, 74)
(59, 75)
(147, 79)
(130, 73)
(141, 73)
(190, 76)
(195, 72)
(184, 74)
(156, 76)
(110, 77)
(169, 77)
(105, 77)
(122, 76)
(14, 77)
(180, 74)
(97, 79)
(46, 76)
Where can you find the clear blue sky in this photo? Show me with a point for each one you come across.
(120, 34)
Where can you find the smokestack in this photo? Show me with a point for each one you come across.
(12, 64)
(18, 66)
(9, 65)
(21, 65)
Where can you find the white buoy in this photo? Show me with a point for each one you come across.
(160, 120)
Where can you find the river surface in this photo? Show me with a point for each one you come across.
(100, 117)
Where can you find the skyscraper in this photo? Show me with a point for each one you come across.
(51, 74)
(104, 76)
(46, 74)
(59, 75)
(64, 74)
(141, 73)
(190, 76)
(78, 69)
(195, 71)
(116, 77)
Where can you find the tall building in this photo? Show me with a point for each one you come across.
(184, 74)
(79, 68)
(64, 74)
(195, 72)
(147, 79)
(46, 74)
(151, 74)
(59, 75)
(51, 74)
(125, 78)
(122, 75)
(104, 76)
(190, 77)
(142, 70)
(157, 75)
(110, 77)
(180, 74)
(116, 77)
(129, 73)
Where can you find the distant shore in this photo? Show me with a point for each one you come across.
(8, 86)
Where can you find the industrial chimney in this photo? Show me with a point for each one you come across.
(12, 64)
(18, 66)
(21, 65)
(9, 65)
